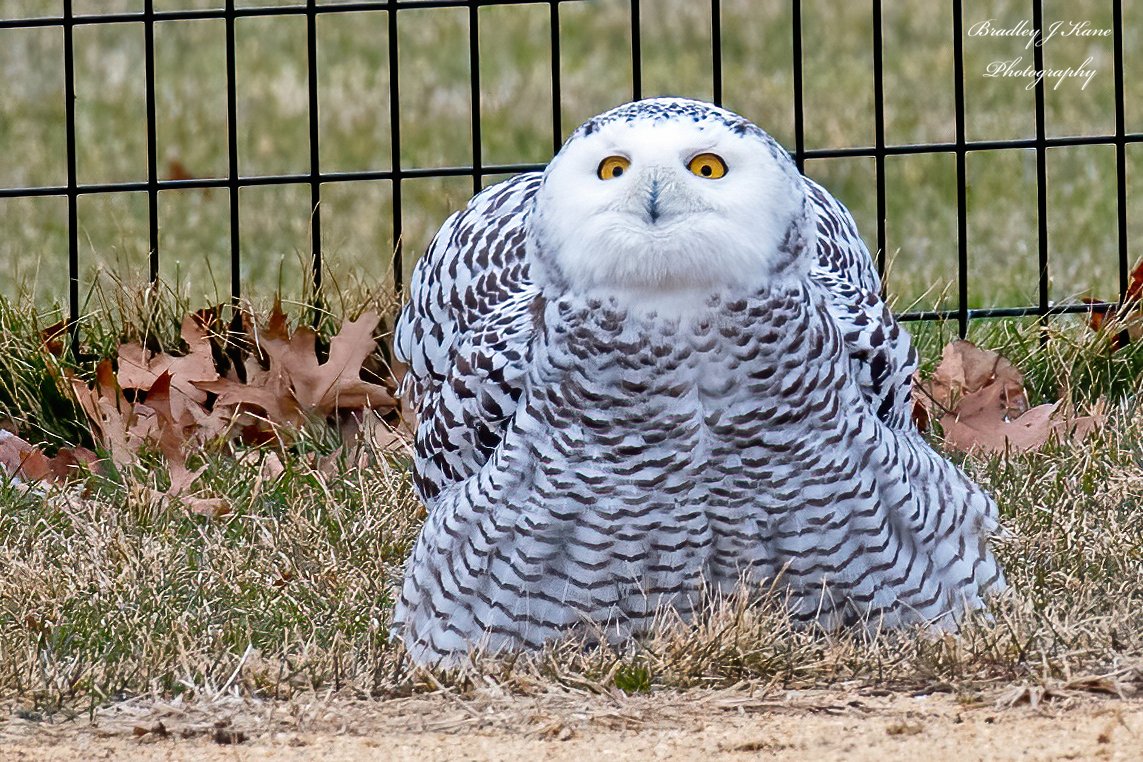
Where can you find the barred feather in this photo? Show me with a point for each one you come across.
(585, 465)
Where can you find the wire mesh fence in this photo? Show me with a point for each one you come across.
(317, 178)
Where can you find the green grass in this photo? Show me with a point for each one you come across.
(115, 592)
(108, 591)
(515, 116)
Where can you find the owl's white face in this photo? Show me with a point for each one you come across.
(662, 205)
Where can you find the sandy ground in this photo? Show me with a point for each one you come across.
(730, 725)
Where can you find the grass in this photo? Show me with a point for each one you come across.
(109, 591)
(130, 595)
(515, 98)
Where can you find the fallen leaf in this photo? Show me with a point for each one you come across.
(272, 467)
(255, 383)
(1123, 322)
(178, 431)
(278, 325)
(965, 369)
(27, 462)
(1122, 326)
(921, 400)
(120, 426)
(23, 460)
(323, 388)
(979, 398)
(379, 434)
(1097, 318)
(1135, 283)
(53, 339)
(211, 507)
(139, 368)
(295, 385)
(265, 393)
(331, 464)
(978, 426)
(69, 461)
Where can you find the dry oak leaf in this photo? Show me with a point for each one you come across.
(1121, 329)
(121, 427)
(323, 388)
(965, 369)
(139, 368)
(1131, 322)
(266, 392)
(211, 507)
(175, 427)
(296, 384)
(25, 462)
(976, 426)
(68, 460)
(176, 435)
(22, 460)
(982, 405)
(921, 402)
(387, 438)
(53, 337)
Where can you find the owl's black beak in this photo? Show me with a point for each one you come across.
(653, 201)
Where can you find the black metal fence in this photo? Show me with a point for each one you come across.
(67, 21)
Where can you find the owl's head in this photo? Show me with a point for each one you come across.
(669, 195)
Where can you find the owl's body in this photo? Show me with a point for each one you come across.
(607, 428)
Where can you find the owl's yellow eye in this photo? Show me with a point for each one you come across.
(612, 167)
(708, 165)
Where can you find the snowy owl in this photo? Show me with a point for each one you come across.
(663, 367)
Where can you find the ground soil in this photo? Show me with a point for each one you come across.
(725, 725)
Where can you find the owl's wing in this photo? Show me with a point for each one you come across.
(464, 334)
(882, 358)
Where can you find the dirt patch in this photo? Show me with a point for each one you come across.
(858, 725)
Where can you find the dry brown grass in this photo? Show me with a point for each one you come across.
(108, 593)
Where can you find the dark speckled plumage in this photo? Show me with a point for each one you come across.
(584, 465)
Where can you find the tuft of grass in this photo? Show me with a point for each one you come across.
(35, 397)
(117, 592)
